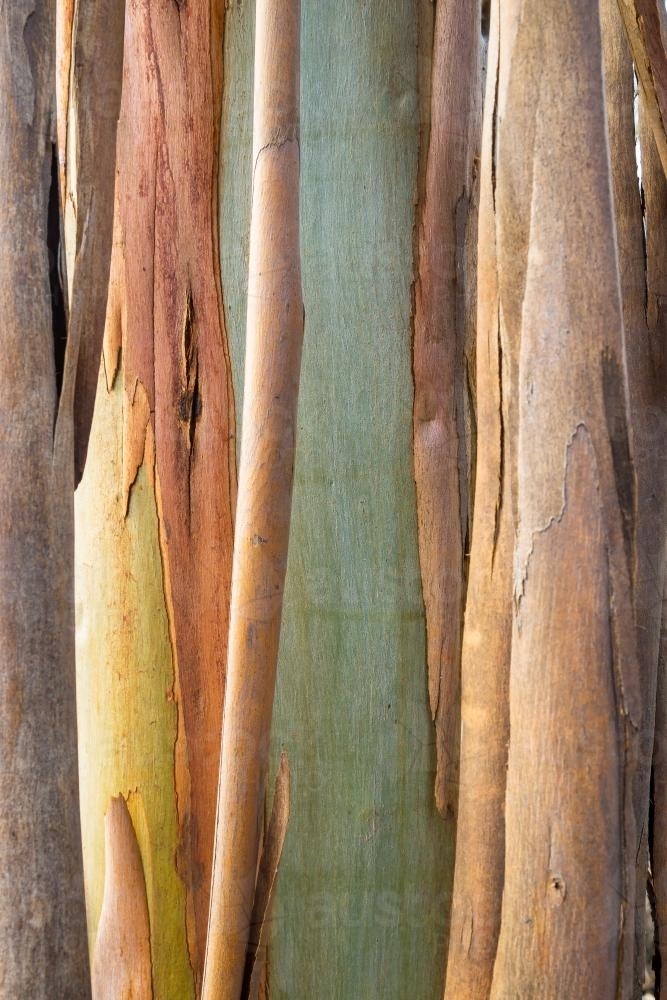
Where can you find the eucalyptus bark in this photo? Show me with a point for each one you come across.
(567, 918)
(648, 398)
(272, 370)
(441, 459)
(480, 848)
(42, 916)
(651, 438)
(155, 506)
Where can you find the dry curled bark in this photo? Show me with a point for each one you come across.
(273, 358)
(440, 459)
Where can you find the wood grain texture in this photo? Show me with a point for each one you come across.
(480, 846)
(361, 907)
(263, 512)
(646, 26)
(440, 446)
(568, 909)
(165, 320)
(122, 960)
(42, 914)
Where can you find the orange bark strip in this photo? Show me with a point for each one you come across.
(480, 842)
(646, 26)
(439, 438)
(122, 959)
(273, 359)
(165, 314)
(575, 704)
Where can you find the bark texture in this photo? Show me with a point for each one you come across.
(440, 444)
(567, 916)
(168, 477)
(479, 869)
(646, 27)
(272, 368)
(122, 959)
(651, 438)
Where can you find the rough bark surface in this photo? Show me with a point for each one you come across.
(42, 915)
(440, 446)
(272, 368)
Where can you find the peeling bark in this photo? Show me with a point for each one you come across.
(165, 318)
(480, 842)
(647, 397)
(122, 961)
(646, 27)
(273, 359)
(254, 984)
(440, 445)
(568, 907)
(651, 437)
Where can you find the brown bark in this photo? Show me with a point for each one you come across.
(42, 913)
(647, 397)
(479, 869)
(165, 316)
(440, 446)
(646, 27)
(567, 921)
(651, 437)
(273, 358)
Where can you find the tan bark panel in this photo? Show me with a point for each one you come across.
(575, 701)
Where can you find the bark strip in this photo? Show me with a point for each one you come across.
(647, 399)
(646, 25)
(122, 959)
(273, 358)
(651, 437)
(440, 447)
(480, 842)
